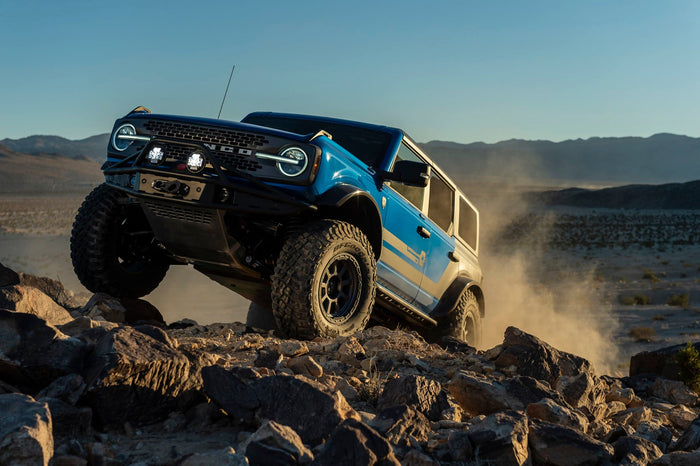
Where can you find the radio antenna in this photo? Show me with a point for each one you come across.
(224, 99)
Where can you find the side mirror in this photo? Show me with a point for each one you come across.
(410, 173)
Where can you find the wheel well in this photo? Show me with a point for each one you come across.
(479, 294)
(361, 212)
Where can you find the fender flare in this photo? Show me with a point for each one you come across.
(450, 298)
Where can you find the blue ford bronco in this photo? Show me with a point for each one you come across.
(325, 222)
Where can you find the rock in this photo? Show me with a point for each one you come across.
(292, 348)
(417, 458)
(534, 358)
(690, 439)
(417, 392)
(175, 422)
(580, 390)
(30, 300)
(655, 432)
(399, 423)
(8, 277)
(276, 444)
(623, 395)
(122, 310)
(635, 450)
(268, 358)
(351, 352)
(305, 365)
(633, 416)
(52, 288)
(673, 391)
(555, 445)
(679, 458)
(460, 446)
(547, 410)
(302, 405)
(34, 353)
(25, 431)
(480, 395)
(348, 391)
(354, 443)
(68, 460)
(501, 438)
(617, 432)
(223, 457)
(156, 333)
(681, 417)
(614, 407)
(78, 326)
(659, 362)
(68, 388)
(133, 377)
(228, 390)
(68, 421)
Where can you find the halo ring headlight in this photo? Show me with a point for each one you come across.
(298, 161)
(121, 143)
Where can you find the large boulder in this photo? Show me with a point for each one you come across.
(34, 353)
(122, 310)
(547, 410)
(8, 277)
(303, 405)
(632, 450)
(556, 445)
(690, 440)
(534, 358)
(501, 438)
(353, 443)
(480, 395)
(52, 288)
(133, 377)
(660, 361)
(673, 391)
(68, 421)
(25, 431)
(400, 424)
(30, 300)
(678, 458)
(228, 390)
(417, 392)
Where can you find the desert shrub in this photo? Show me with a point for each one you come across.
(659, 317)
(371, 391)
(688, 360)
(642, 299)
(627, 300)
(681, 300)
(649, 275)
(646, 334)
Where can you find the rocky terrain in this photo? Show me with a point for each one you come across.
(106, 382)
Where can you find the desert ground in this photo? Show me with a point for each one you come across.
(602, 284)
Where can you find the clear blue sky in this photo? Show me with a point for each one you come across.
(454, 70)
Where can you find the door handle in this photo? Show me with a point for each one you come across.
(423, 232)
(454, 257)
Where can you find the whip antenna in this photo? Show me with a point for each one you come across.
(224, 99)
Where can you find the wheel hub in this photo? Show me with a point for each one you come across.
(339, 290)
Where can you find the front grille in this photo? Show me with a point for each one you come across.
(205, 134)
(186, 214)
(209, 135)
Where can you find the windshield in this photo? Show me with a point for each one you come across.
(366, 144)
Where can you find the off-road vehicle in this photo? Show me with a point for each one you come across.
(326, 222)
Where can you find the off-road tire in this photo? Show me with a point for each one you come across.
(96, 248)
(308, 258)
(464, 322)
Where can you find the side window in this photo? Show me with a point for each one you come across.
(413, 194)
(468, 223)
(441, 204)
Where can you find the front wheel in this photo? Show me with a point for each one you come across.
(112, 246)
(324, 281)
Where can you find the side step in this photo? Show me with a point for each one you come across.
(389, 297)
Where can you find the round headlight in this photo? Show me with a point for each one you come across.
(195, 162)
(155, 155)
(298, 160)
(123, 136)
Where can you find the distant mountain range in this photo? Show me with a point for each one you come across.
(92, 148)
(664, 196)
(661, 158)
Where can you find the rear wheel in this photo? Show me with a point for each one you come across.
(113, 248)
(464, 322)
(324, 281)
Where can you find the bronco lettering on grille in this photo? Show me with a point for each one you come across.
(229, 149)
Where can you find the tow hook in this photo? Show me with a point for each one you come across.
(173, 187)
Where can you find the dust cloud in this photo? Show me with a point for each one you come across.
(550, 294)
